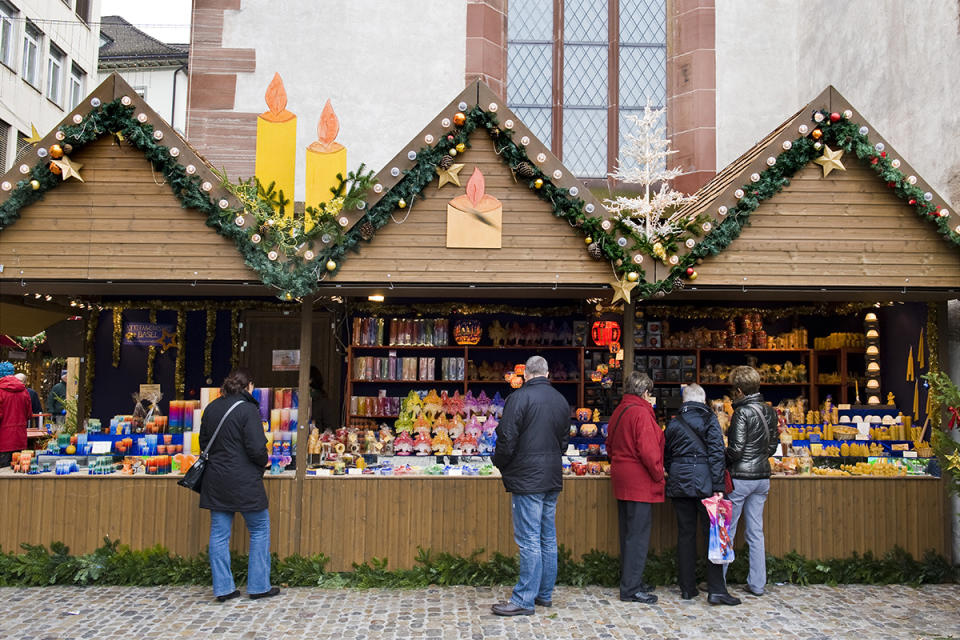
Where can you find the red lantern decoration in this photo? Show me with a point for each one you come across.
(467, 332)
(604, 332)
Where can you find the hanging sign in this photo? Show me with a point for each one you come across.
(149, 334)
(286, 360)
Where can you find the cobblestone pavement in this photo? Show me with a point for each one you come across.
(814, 612)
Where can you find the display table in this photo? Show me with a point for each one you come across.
(353, 519)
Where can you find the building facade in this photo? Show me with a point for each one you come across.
(573, 70)
(48, 58)
(157, 71)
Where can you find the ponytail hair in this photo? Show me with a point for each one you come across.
(236, 381)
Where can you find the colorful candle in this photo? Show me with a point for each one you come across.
(277, 143)
(325, 159)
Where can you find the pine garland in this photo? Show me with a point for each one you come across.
(294, 274)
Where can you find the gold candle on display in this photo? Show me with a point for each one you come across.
(325, 159)
(277, 143)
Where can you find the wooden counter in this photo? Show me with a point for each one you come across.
(352, 519)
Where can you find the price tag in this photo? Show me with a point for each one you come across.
(863, 436)
(324, 472)
(353, 471)
(393, 354)
(455, 471)
(909, 454)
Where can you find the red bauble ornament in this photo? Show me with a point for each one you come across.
(834, 117)
(891, 184)
(449, 138)
(690, 271)
(874, 160)
(911, 201)
(883, 154)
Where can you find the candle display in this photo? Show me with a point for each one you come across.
(277, 143)
(325, 159)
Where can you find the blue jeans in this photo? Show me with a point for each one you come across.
(258, 565)
(748, 498)
(535, 532)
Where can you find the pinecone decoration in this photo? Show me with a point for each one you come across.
(525, 170)
(677, 284)
(367, 230)
(594, 250)
(445, 162)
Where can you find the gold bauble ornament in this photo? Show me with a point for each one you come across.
(452, 152)
(35, 185)
(56, 151)
(538, 183)
(331, 265)
(459, 118)
(402, 203)
(633, 276)
(461, 148)
(693, 276)
(587, 240)
(816, 134)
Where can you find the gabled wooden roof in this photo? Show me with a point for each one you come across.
(847, 230)
(538, 247)
(123, 222)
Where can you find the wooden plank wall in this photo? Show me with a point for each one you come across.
(356, 519)
(537, 246)
(123, 222)
(845, 230)
(140, 512)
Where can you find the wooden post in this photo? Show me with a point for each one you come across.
(626, 338)
(303, 414)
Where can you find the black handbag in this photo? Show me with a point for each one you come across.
(193, 477)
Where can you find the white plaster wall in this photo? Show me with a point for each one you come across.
(387, 67)
(20, 103)
(896, 61)
(159, 85)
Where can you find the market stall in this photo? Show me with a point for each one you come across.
(486, 251)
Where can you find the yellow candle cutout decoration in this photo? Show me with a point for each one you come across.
(475, 219)
(325, 159)
(277, 143)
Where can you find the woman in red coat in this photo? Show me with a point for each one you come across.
(635, 447)
(14, 414)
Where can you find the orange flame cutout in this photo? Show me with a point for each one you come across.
(328, 126)
(476, 186)
(276, 98)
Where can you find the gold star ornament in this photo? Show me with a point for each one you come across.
(34, 137)
(954, 461)
(830, 160)
(621, 289)
(450, 174)
(68, 168)
(167, 340)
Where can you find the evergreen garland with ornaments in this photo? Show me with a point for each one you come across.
(295, 260)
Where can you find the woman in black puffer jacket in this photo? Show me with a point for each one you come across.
(693, 458)
(751, 440)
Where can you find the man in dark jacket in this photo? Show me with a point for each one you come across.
(531, 438)
(693, 457)
(35, 405)
(751, 440)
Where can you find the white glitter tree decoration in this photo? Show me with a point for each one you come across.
(648, 148)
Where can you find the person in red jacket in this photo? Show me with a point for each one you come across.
(14, 414)
(635, 447)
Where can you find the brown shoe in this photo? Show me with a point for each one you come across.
(510, 609)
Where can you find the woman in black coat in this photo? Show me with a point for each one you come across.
(232, 482)
(694, 459)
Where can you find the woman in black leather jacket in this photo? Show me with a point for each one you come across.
(751, 440)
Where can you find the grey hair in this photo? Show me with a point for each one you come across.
(637, 383)
(694, 393)
(536, 366)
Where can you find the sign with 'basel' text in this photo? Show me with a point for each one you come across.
(150, 334)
